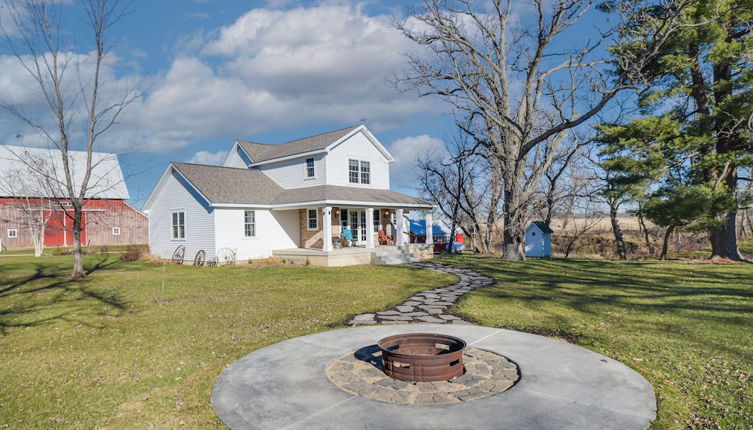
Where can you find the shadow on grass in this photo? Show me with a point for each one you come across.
(49, 294)
(666, 298)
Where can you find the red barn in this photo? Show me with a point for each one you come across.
(31, 195)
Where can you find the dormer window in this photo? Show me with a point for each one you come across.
(310, 171)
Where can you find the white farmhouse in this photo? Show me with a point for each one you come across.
(292, 200)
(538, 240)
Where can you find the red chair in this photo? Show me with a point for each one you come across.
(383, 239)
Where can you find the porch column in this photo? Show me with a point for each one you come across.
(327, 228)
(429, 228)
(400, 239)
(369, 227)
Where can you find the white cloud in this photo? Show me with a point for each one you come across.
(407, 151)
(211, 158)
(269, 70)
(274, 69)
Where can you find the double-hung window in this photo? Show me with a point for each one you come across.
(179, 225)
(359, 172)
(12, 233)
(365, 172)
(249, 223)
(377, 221)
(310, 171)
(353, 171)
(313, 219)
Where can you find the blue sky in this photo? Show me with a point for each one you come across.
(211, 71)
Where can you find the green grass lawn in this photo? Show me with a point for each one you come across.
(119, 350)
(687, 328)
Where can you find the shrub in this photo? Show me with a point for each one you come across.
(132, 253)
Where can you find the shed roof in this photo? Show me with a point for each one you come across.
(544, 227)
(230, 185)
(22, 169)
(263, 151)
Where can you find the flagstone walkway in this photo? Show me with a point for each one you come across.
(430, 306)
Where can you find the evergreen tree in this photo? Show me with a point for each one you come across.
(697, 97)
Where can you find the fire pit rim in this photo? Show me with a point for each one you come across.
(458, 341)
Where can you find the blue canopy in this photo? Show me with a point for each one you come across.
(418, 227)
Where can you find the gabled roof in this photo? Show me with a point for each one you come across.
(22, 170)
(263, 152)
(238, 186)
(544, 227)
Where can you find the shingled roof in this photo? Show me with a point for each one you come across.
(262, 151)
(231, 185)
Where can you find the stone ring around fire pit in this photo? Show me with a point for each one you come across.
(361, 374)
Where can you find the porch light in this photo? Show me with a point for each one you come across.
(337, 211)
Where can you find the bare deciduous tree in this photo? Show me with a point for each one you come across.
(28, 202)
(71, 91)
(518, 88)
(461, 187)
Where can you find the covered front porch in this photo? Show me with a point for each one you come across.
(357, 234)
(333, 227)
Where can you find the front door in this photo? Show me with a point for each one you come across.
(357, 224)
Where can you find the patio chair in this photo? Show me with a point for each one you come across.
(383, 239)
(348, 236)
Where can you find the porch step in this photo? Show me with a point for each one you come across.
(393, 257)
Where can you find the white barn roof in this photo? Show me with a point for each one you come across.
(19, 179)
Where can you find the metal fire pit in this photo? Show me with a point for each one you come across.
(422, 357)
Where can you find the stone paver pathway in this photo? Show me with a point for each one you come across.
(430, 306)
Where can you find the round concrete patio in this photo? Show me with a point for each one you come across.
(561, 386)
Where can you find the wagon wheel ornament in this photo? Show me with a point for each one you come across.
(199, 259)
(178, 255)
(226, 256)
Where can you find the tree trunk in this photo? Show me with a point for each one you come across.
(78, 257)
(644, 229)
(513, 235)
(621, 250)
(724, 240)
(665, 244)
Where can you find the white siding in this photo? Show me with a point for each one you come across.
(233, 159)
(357, 147)
(274, 230)
(292, 173)
(199, 221)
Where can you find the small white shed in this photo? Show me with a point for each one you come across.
(538, 240)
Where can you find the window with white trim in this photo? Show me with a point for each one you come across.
(310, 171)
(249, 223)
(353, 171)
(313, 219)
(179, 225)
(12, 233)
(359, 172)
(116, 231)
(377, 221)
(365, 172)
